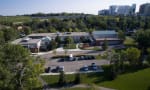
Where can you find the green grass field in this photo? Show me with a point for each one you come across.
(139, 80)
(70, 46)
(90, 78)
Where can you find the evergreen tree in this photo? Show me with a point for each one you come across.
(77, 79)
(61, 81)
(105, 45)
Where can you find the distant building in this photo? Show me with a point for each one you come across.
(110, 36)
(119, 10)
(75, 35)
(103, 12)
(145, 9)
(40, 41)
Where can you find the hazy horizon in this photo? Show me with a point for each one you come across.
(20, 7)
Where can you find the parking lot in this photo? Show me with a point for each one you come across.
(73, 66)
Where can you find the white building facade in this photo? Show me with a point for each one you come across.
(119, 10)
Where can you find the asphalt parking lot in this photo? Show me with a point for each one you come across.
(73, 66)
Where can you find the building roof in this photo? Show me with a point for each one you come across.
(60, 34)
(108, 39)
(30, 41)
(105, 32)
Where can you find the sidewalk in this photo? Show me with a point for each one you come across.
(72, 72)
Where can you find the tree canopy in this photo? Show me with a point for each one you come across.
(19, 71)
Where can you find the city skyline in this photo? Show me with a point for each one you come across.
(19, 7)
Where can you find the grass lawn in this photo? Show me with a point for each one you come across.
(70, 46)
(95, 48)
(139, 80)
(129, 41)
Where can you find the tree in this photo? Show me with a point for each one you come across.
(148, 56)
(121, 35)
(123, 58)
(2, 40)
(52, 29)
(69, 40)
(143, 38)
(19, 71)
(77, 79)
(105, 45)
(10, 34)
(58, 40)
(61, 80)
(27, 30)
(133, 55)
(53, 44)
(113, 57)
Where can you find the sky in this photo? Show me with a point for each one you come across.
(19, 7)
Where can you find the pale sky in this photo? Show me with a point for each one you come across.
(18, 7)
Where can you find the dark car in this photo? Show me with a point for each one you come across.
(84, 68)
(61, 60)
(47, 70)
(94, 66)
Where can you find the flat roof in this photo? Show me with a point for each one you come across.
(60, 34)
(109, 39)
(31, 41)
(105, 32)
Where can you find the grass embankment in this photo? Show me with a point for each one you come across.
(139, 80)
(95, 48)
(90, 78)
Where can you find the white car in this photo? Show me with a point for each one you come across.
(61, 68)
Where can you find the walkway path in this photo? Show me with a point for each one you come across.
(71, 72)
(88, 86)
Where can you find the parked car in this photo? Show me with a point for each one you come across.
(61, 68)
(92, 57)
(84, 68)
(86, 58)
(82, 57)
(58, 69)
(47, 70)
(94, 66)
(61, 60)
